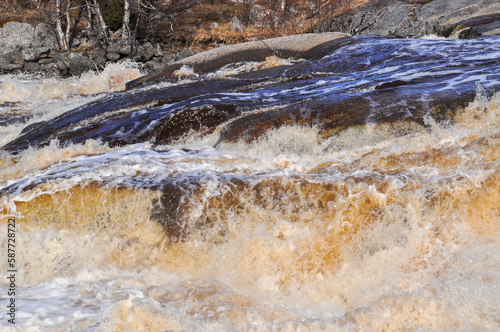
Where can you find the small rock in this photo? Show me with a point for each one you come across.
(236, 25)
(10, 66)
(146, 51)
(45, 61)
(79, 64)
(158, 51)
(213, 25)
(118, 33)
(97, 52)
(51, 68)
(120, 47)
(184, 53)
(31, 66)
(33, 54)
(12, 57)
(468, 33)
(113, 57)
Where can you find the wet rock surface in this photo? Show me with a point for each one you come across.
(405, 80)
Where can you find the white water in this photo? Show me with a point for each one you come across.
(366, 230)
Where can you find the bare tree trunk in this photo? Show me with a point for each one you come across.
(63, 45)
(90, 24)
(102, 28)
(126, 32)
(68, 24)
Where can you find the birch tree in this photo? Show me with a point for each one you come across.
(61, 37)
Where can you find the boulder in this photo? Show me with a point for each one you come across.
(236, 25)
(45, 37)
(11, 60)
(79, 64)
(420, 18)
(146, 51)
(113, 56)
(31, 66)
(259, 16)
(16, 36)
(119, 47)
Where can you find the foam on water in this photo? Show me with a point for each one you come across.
(380, 227)
(43, 98)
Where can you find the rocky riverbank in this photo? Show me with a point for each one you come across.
(418, 18)
(27, 48)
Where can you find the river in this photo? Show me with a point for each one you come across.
(357, 191)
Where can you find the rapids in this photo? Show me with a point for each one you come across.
(358, 191)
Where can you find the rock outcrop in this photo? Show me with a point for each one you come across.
(458, 18)
(307, 46)
(35, 49)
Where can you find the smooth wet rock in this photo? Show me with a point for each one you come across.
(352, 86)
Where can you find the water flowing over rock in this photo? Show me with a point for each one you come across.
(357, 190)
(350, 86)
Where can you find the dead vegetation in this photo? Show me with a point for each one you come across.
(196, 24)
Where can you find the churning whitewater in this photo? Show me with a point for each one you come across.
(357, 191)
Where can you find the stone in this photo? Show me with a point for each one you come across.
(236, 25)
(213, 25)
(182, 54)
(45, 37)
(45, 61)
(79, 64)
(420, 18)
(12, 57)
(33, 54)
(157, 50)
(51, 68)
(259, 16)
(16, 36)
(31, 66)
(146, 51)
(113, 56)
(157, 63)
(119, 47)
(97, 52)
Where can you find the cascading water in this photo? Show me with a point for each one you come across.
(358, 191)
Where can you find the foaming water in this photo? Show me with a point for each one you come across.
(379, 227)
(27, 99)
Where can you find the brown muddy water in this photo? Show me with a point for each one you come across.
(355, 192)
